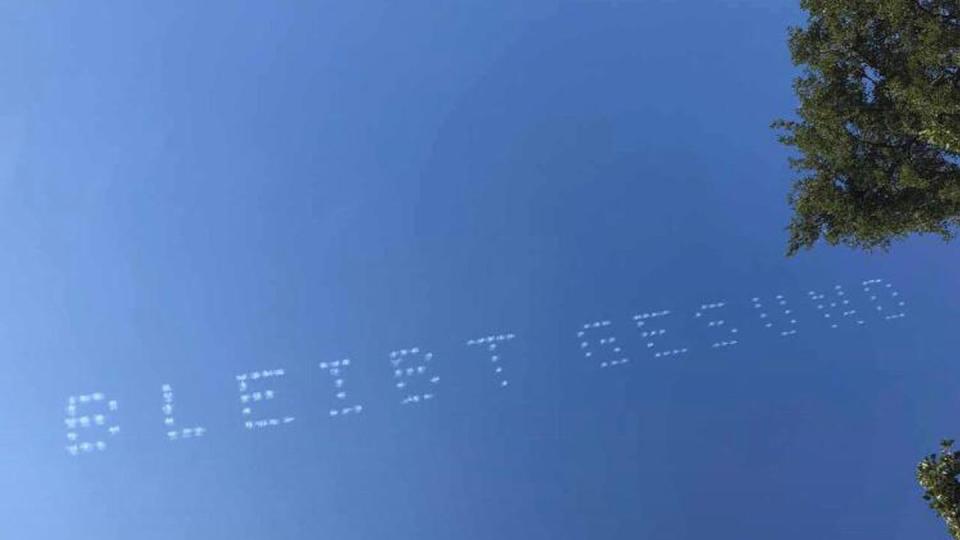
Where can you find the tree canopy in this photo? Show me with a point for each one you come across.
(937, 475)
(878, 132)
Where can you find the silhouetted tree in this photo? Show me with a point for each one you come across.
(878, 132)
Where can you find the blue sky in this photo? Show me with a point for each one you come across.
(191, 192)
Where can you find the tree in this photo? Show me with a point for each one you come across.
(878, 131)
(938, 477)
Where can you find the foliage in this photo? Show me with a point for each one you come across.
(879, 122)
(938, 477)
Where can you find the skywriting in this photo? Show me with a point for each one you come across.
(605, 344)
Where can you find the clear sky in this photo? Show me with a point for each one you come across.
(190, 191)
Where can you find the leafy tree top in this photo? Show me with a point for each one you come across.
(937, 475)
(878, 131)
